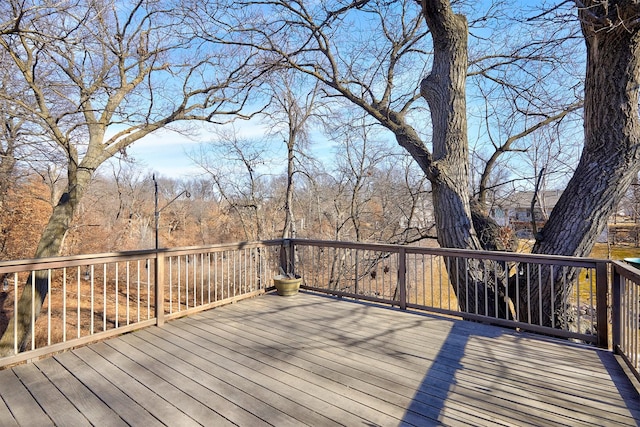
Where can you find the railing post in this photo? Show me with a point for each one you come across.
(616, 304)
(602, 288)
(402, 277)
(159, 288)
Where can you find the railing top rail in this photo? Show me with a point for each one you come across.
(626, 270)
(31, 264)
(221, 247)
(492, 255)
(72, 260)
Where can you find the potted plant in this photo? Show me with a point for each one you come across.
(287, 284)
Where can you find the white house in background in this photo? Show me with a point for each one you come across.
(514, 210)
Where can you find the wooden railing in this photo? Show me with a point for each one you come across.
(91, 297)
(625, 314)
(418, 278)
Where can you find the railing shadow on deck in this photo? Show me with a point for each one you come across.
(433, 400)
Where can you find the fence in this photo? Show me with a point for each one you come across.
(91, 297)
(557, 296)
(625, 314)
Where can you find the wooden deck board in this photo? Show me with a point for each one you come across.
(338, 381)
(198, 383)
(82, 398)
(321, 361)
(263, 397)
(22, 406)
(145, 398)
(289, 386)
(56, 406)
(566, 399)
(335, 379)
(106, 386)
(352, 375)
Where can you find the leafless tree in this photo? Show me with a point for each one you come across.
(94, 69)
(238, 169)
(376, 71)
(294, 103)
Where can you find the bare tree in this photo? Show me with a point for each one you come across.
(370, 75)
(294, 102)
(238, 169)
(90, 68)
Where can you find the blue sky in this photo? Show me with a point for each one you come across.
(167, 152)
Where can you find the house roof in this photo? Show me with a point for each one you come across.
(522, 199)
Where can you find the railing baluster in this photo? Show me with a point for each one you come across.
(486, 293)
(170, 284)
(104, 297)
(195, 280)
(201, 279)
(128, 292)
(186, 281)
(138, 290)
(64, 304)
(507, 298)
(215, 277)
(49, 306)
(78, 304)
(92, 298)
(117, 295)
(33, 310)
(148, 270)
(540, 318)
(553, 297)
(159, 266)
(179, 258)
(15, 310)
(496, 294)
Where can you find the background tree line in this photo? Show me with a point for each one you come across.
(370, 198)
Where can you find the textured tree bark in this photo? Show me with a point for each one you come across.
(445, 91)
(289, 229)
(49, 245)
(609, 162)
(610, 158)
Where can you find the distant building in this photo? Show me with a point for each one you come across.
(514, 210)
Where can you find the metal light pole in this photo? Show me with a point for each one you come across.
(157, 211)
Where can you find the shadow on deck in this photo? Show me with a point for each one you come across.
(319, 361)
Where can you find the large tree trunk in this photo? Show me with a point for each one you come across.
(609, 161)
(445, 91)
(610, 157)
(50, 244)
(289, 229)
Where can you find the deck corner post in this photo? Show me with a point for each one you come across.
(402, 277)
(159, 288)
(602, 290)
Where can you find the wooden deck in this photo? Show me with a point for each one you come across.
(313, 360)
